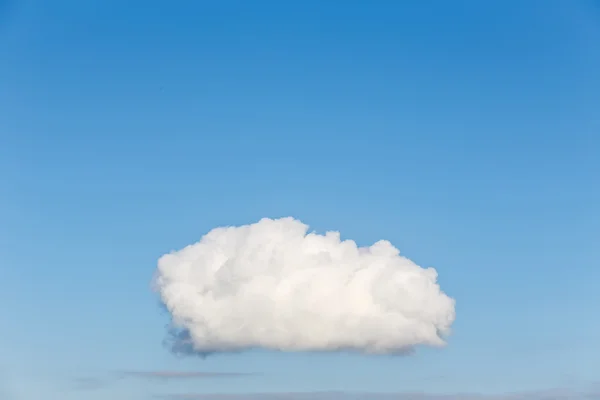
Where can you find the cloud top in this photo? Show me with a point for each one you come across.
(273, 285)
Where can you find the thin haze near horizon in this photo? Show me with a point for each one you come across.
(463, 135)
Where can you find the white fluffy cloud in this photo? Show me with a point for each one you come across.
(273, 285)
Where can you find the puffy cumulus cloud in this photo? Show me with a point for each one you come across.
(273, 285)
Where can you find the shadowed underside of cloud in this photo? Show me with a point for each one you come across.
(556, 394)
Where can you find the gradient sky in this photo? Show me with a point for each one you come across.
(467, 133)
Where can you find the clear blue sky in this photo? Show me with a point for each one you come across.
(467, 133)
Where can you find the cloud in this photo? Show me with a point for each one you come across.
(87, 383)
(182, 374)
(96, 383)
(555, 394)
(272, 285)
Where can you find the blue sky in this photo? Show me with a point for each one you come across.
(465, 133)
